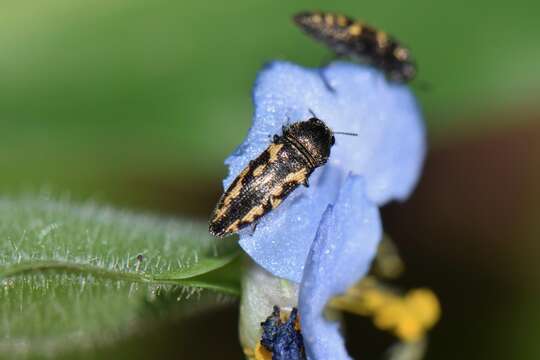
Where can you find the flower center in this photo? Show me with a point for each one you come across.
(281, 338)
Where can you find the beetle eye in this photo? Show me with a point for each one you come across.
(333, 140)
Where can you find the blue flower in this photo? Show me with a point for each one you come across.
(324, 237)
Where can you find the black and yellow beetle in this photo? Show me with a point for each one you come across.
(262, 185)
(348, 37)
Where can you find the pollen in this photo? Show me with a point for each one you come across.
(409, 317)
(261, 353)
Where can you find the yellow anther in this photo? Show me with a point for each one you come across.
(374, 299)
(424, 304)
(388, 316)
(408, 330)
(409, 317)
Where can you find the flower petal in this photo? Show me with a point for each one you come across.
(282, 239)
(387, 152)
(341, 254)
(389, 149)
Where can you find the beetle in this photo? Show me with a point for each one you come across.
(348, 37)
(262, 186)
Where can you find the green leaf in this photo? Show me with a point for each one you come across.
(77, 278)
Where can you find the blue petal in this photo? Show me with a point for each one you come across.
(282, 238)
(342, 251)
(390, 145)
(388, 152)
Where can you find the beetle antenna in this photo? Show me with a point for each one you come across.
(345, 133)
(312, 113)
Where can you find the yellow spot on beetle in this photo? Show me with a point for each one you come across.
(355, 29)
(316, 18)
(273, 151)
(342, 20)
(401, 54)
(382, 39)
(275, 201)
(277, 191)
(329, 19)
(236, 190)
(230, 196)
(233, 227)
(253, 214)
(298, 177)
(221, 212)
(259, 170)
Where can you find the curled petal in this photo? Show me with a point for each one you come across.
(341, 254)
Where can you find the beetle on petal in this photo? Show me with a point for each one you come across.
(387, 152)
(262, 186)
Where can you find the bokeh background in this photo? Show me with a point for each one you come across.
(137, 103)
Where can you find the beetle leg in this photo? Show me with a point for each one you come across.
(253, 227)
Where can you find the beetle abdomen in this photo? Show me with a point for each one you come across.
(260, 187)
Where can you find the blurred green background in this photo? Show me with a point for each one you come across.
(137, 103)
